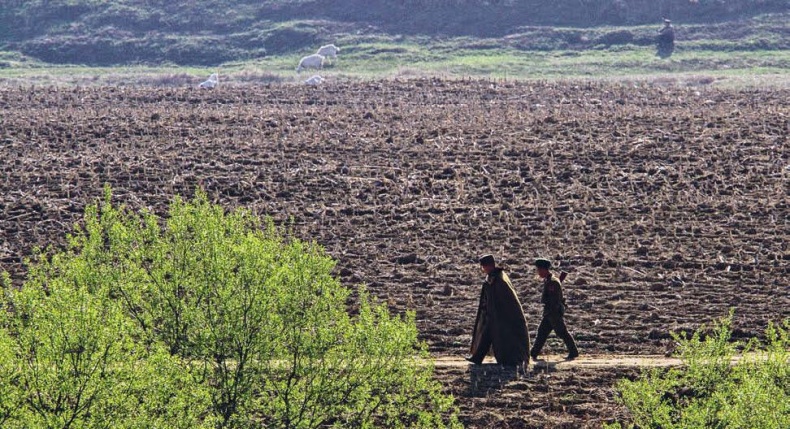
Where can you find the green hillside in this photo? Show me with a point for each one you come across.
(212, 32)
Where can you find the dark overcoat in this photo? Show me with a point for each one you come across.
(666, 42)
(500, 321)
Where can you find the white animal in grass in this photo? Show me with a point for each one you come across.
(328, 51)
(314, 80)
(314, 61)
(212, 81)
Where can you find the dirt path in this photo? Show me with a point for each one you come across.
(584, 361)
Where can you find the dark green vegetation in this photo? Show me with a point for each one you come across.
(212, 32)
(203, 320)
(712, 392)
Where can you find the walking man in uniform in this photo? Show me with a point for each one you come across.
(553, 311)
(500, 323)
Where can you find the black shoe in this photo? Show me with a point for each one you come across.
(572, 356)
(471, 359)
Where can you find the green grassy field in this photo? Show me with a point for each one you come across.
(708, 54)
(403, 59)
(142, 43)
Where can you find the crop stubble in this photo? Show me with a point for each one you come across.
(667, 205)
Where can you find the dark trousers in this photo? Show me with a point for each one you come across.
(553, 322)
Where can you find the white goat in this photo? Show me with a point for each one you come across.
(314, 61)
(328, 51)
(315, 80)
(212, 81)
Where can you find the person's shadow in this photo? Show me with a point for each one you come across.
(492, 376)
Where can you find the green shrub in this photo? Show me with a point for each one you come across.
(77, 362)
(713, 389)
(10, 369)
(204, 319)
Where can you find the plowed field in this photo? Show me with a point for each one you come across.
(667, 205)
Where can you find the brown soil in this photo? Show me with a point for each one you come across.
(667, 205)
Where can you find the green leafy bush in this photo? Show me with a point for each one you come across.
(714, 389)
(10, 368)
(204, 319)
(76, 359)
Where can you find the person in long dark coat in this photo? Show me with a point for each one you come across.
(500, 323)
(666, 40)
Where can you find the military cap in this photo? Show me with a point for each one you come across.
(543, 263)
(487, 260)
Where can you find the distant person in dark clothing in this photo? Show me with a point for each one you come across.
(553, 312)
(500, 323)
(666, 40)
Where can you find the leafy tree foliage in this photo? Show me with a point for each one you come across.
(713, 391)
(204, 319)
